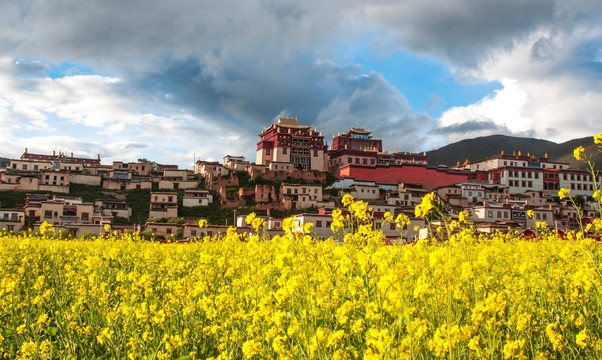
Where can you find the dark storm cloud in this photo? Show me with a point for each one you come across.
(472, 126)
(34, 69)
(250, 95)
(374, 105)
(466, 31)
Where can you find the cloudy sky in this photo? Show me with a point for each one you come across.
(174, 80)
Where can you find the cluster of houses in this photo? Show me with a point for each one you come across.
(293, 161)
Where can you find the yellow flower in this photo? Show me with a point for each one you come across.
(426, 205)
(462, 216)
(107, 227)
(250, 348)
(596, 194)
(104, 335)
(598, 139)
(581, 338)
(473, 344)
(249, 219)
(530, 213)
(28, 348)
(288, 224)
(46, 227)
(555, 338)
(388, 216)
(347, 200)
(562, 193)
(402, 221)
(258, 224)
(337, 220)
(307, 228)
(578, 153)
(21, 329)
(203, 223)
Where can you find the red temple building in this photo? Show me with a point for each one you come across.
(358, 147)
(289, 142)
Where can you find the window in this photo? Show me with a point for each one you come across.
(85, 216)
(24, 166)
(48, 214)
(392, 226)
(284, 151)
(490, 214)
(319, 223)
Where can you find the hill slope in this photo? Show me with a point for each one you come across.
(487, 146)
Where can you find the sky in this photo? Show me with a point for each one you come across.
(174, 81)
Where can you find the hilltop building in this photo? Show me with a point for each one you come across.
(357, 147)
(289, 142)
(61, 157)
(522, 173)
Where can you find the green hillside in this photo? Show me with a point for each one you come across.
(487, 146)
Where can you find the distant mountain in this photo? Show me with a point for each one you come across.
(487, 146)
(4, 162)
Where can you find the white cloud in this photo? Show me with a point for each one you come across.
(503, 109)
(549, 90)
(89, 115)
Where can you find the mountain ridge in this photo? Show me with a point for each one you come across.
(484, 147)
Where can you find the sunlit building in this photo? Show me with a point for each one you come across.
(287, 141)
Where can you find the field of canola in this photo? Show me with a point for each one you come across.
(499, 297)
(295, 297)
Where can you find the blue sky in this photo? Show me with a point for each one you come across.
(173, 81)
(428, 85)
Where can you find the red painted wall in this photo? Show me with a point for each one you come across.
(396, 174)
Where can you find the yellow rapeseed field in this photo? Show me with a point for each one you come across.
(294, 297)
